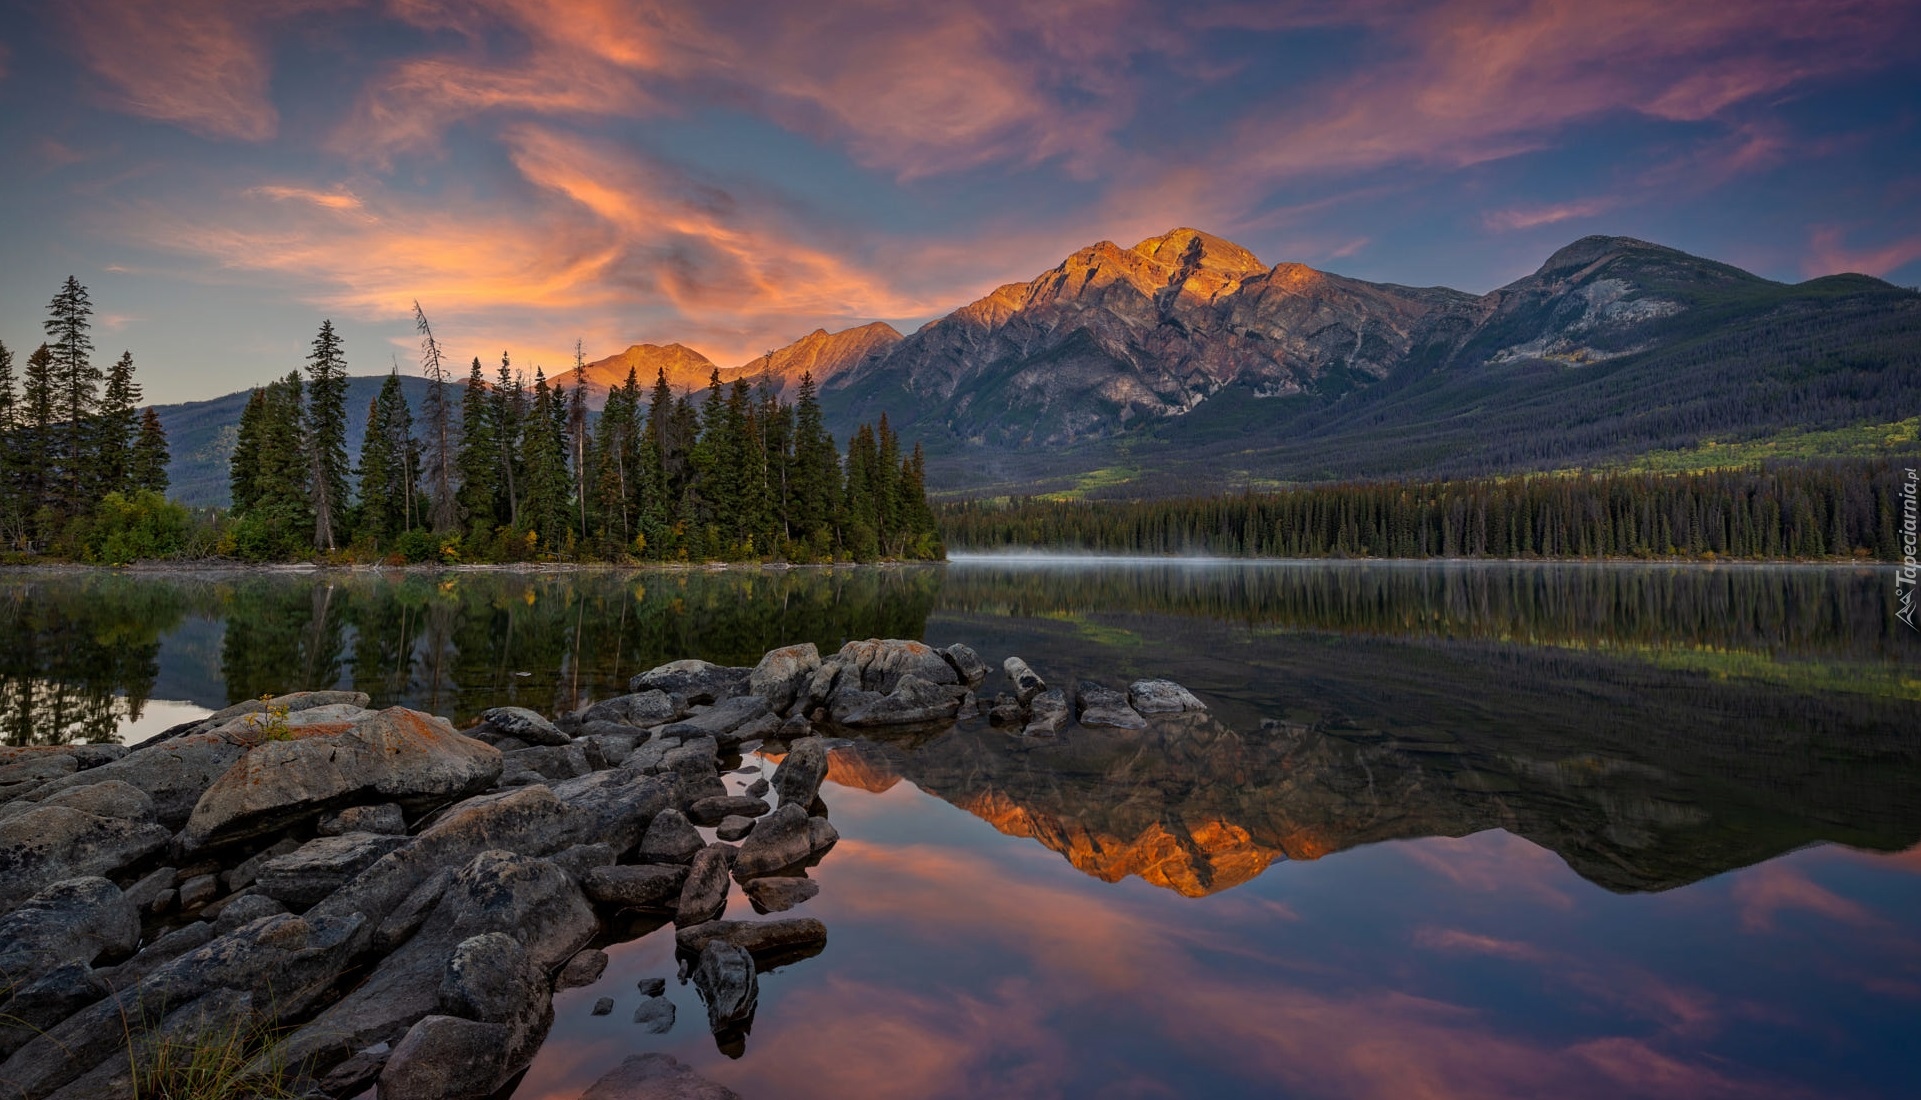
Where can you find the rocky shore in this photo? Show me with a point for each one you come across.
(397, 901)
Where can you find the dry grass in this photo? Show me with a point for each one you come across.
(234, 1062)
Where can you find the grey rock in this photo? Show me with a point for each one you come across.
(406, 918)
(581, 859)
(614, 748)
(585, 968)
(33, 1006)
(758, 788)
(174, 774)
(524, 724)
(727, 722)
(670, 838)
(164, 900)
(797, 780)
(879, 665)
(642, 708)
(781, 839)
(321, 866)
(967, 664)
(385, 817)
(397, 755)
(198, 891)
(652, 987)
(913, 701)
(734, 827)
(1161, 697)
(245, 909)
(728, 983)
(604, 1006)
(712, 811)
(293, 703)
(1048, 714)
(613, 807)
(445, 1058)
(655, 1077)
(1007, 711)
(547, 762)
(783, 674)
(490, 977)
(51, 843)
(1027, 683)
(764, 938)
(636, 885)
(141, 894)
(68, 922)
(242, 874)
(106, 798)
(779, 894)
(703, 896)
(695, 681)
(1102, 707)
(655, 1015)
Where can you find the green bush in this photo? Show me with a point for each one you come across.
(132, 528)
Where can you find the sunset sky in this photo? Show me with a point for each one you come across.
(224, 173)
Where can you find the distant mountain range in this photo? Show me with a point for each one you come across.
(1185, 363)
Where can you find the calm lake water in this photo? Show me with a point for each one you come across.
(1446, 830)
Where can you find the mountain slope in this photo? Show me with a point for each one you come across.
(823, 353)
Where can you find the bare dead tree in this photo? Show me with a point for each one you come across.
(443, 510)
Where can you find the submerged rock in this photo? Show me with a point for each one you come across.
(1161, 697)
(704, 895)
(757, 937)
(655, 1015)
(1048, 714)
(637, 886)
(729, 984)
(797, 780)
(1104, 707)
(655, 1077)
(782, 839)
(967, 664)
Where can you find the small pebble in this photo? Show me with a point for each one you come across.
(604, 1006)
(653, 987)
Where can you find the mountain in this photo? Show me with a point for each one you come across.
(1183, 362)
(686, 369)
(824, 354)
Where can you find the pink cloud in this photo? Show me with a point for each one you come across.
(1773, 888)
(1530, 217)
(1831, 254)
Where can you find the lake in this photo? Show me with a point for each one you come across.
(1445, 830)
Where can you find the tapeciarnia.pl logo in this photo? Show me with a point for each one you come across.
(1905, 577)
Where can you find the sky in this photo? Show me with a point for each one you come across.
(223, 174)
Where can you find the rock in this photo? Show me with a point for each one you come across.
(524, 724)
(173, 774)
(406, 918)
(106, 798)
(703, 896)
(604, 1006)
(245, 909)
(728, 983)
(615, 744)
(1027, 683)
(783, 674)
(879, 665)
(580, 860)
(1161, 697)
(913, 701)
(967, 664)
(198, 891)
(725, 721)
(243, 873)
(797, 780)
(72, 921)
(641, 709)
(385, 818)
(490, 977)
(655, 1077)
(701, 755)
(141, 894)
(767, 938)
(712, 811)
(758, 788)
(29, 1007)
(293, 703)
(445, 1058)
(779, 894)
(637, 885)
(670, 838)
(652, 987)
(50, 843)
(585, 968)
(397, 755)
(164, 900)
(655, 1015)
(735, 827)
(695, 681)
(780, 840)
(1099, 706)
(1007, 711)
(321, 866)
(1048, 714)
(546, 762)
(613, 807)
(159, 953)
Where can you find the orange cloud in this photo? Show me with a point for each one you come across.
(1528, 217)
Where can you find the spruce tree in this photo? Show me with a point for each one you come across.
(817, 485)
(243, 468)
(479, 454)
(510, 411)
(115, 429)
(148, 470)
(437, 411)
(861, 505)
(887, 525)
(39, 443)
(69, 334)
(613, 454)
(544, 460)
(389, 467)
(577, 438)
(13, 515)
(326, 436)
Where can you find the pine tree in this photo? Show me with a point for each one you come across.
(887, 525)
(817, 486)
(577, 437)
(39, 443)
(443, 509)
(613, 457)
(68, 327)
(115, 429)
(326, 436)
(243, 468)
(544, 460)
(389, 467)
(510, 411)
(13, 515)
(148, 470)
(479, 454)
(861, 507)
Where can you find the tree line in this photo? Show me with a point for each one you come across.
(1837, 509)
(83, 471)
(506, 470)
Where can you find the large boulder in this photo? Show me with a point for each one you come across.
(524, 724)
(784, 674)
(613, 807)
(729, 984)
(1161, 697)
(495, 1007)
(967, 664)
(636, 885)
(321, 866)
(727, 722)
(1048, 714)
(640, 709)
(446, 1058)
(106, 798)
(703, 896)
(760, 938)
(174, 774)
(1104, 707)
(68, 922)
(782, 839)
(911, 702)
(694, 681)
(50, 843)
(292, 704)
(777, 894)
(879, 664)
(712, 811)
(655, 1077)
(670, 838)
(544, 763)
(797, 780)
(397, 755)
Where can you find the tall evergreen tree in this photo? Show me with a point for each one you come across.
(13, 514)
(437, 411)
(510, 411)
(389, 467)
(326, 436)
(39, 441)
(243, 468)
(615, 453)
(115, 429)
(544, 460)
(861, 506)
(479, 453)
(69, 327)
(817, 486)
(577, 438)
(148, 470)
